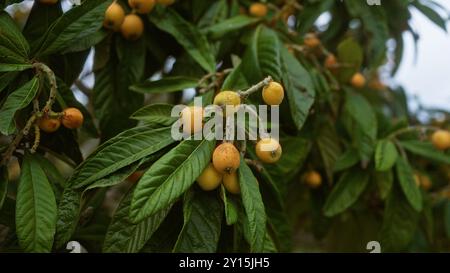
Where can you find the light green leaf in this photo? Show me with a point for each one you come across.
(385, 155)
(14, 67)
(165, 85)
(231, 214)
(19, 99)
(120, 151)
(35, 209)
(169, 177)
(254, 207)
(350, 53)
(12, 38)
(405, 176)
(202, 223)
(346, 192)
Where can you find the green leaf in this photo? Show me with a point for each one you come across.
(112, 99)
(346, 192)
(124, 236)
(68, 215)
(35, 208)
(425, 149)
(119, 152)
(346, 160)
(202, 223)
(350, 53)
(187, 35)
(3, 184)
(431, 14)
(6, 79)
(165, 85)
(405, 176)
(359, 108)
(169, 177)
(262, 57)
(399, 223)
(310, 13)
(329, 148)
(384, 180)
(14, 67)
(19, 99)
(235, 80)
(229, 25)
(159, 113)
(299, 87)
(11, 38)
(385, 155)
(254, 207)
(231, 214)
(74, 25)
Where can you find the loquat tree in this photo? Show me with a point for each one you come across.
(87, 153)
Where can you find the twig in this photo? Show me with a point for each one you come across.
(254, 88)
(82, 87)
(255, 164)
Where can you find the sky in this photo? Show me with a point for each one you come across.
(427, 77)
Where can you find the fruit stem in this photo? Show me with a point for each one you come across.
(254, 88)
(53, 85)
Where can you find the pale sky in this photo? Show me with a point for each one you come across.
(429, 77)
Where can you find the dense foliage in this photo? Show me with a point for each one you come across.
(357, 164)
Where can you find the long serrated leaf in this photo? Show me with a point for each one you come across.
(76, 24)
(187, 35)
(224, 27)
(159, 113)
(68, 215)
(122, 152)
(405, 176)
(169, 177)
(35, 208)
(254, 207)
(202, 223)
(165, 85)
(11, 36)
(19, 99)
(299, 87)
(125, 237)
(425, 149)
(346, 192)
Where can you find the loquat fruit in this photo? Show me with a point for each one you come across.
(441, 139)
(192, 119)
(226, 158)
(330, 62)
(358, 80)
(231, 183)
(49, 125)
(313, 179)
(273, 93)
(209, 179)
(114, 17)
(311, 41)
(258, 9)
(72, 118)
(227, 98)
(132, 27)
(268, 150)
(142, 6)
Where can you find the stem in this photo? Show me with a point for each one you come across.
(53, 85)
(37, 138)
(254, 88)
(255, 164)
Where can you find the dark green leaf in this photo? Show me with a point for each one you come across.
(156, 113)
(346, 192)
(35, 208)
(385, 155)
(425, 149)
(165, 85)
(169, 177)
(405, 176)
(19, 99)
(229, 25)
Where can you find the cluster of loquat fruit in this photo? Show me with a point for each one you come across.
(130, 25)
(226, 157)
(71, 118)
